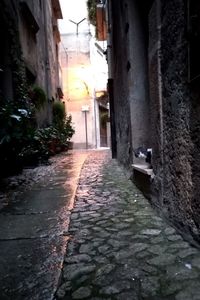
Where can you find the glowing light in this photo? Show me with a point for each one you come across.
(77, 82)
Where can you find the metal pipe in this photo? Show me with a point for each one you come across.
(95, 120)
(86, 130)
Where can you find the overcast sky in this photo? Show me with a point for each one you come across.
(75, 10)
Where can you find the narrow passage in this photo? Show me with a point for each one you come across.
(119, 248)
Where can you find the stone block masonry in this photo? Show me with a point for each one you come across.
(153, 62)
(175, 117)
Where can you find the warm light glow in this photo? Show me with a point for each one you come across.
(77, 82)
(84, 71)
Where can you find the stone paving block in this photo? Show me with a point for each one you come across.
(150, 286)
(78, 258)
(134, 254)
(82, 293)
(74, 271)
(181, 272)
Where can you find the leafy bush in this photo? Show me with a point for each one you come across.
(48, 141)
(91, 6)
(59, 114)
(22, 144)
(38, 97)
(62, 123)
(16, 130)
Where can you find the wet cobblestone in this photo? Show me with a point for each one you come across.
(119, 247)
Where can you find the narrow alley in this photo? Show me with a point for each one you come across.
(117, 246)
(100, 150)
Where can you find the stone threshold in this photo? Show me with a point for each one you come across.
(143, 168)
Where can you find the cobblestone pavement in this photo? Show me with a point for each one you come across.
(119, 248)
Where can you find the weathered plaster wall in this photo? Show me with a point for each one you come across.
(28, 38)
(156, 108)
(13, 72)
(41, 45)
(40, 52)
(51, 48)
(120, 76)
(138, 85)
(23, 49)
(78, 86)
(130, 73)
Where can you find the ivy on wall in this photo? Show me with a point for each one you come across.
(21, 142)
(17, 64)
(91, 6)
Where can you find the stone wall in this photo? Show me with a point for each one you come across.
(12, 85)
(175, 118)
(174, 107)
(40, 52)
(138, 86)
(156, 108)
(121, 101)
(120, 87)
(130, 74)
(78, 86)
(28, 56)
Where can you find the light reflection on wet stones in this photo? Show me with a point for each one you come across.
(127, 247)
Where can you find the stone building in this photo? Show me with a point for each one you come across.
(84, 77)
(77, 83)
(84, 69)
(29, 51)
(153, 53)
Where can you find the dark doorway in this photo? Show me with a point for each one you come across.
(103, 120)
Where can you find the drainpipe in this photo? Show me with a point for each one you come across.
(95, 119)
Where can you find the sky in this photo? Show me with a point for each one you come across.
(74, 10)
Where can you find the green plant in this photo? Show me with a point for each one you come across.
(58, 114)
(91, 6)
(22, 144)
(38, 97)
(48, 141)
(16, 131)
(68, 128)
(62, 123)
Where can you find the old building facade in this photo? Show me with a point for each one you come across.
(77, 83)
(29, 52)
(84, 78)
(154, 92)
